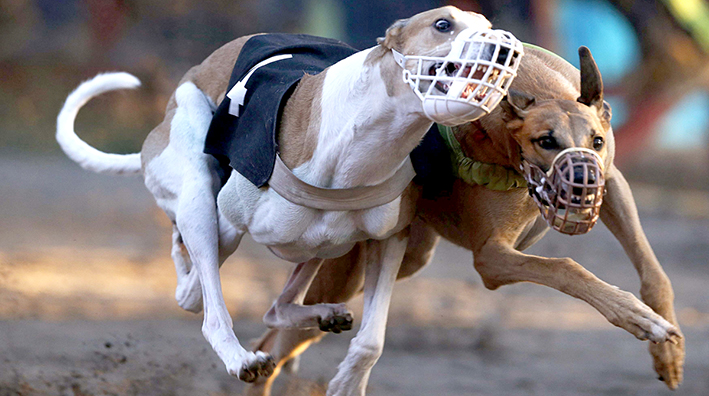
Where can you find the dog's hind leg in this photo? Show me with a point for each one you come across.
(620, 215)
(193, 176)
(197, 223)
(383, 263)
(188, 292)
(499, 264)
(288, 310)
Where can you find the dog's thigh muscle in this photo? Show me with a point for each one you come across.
(167, 172)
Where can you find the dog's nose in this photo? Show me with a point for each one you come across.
(583, 177)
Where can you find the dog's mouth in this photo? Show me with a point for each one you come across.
(458, 71)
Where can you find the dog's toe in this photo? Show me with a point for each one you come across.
(336, 325)
(337, 321)
(260, 365)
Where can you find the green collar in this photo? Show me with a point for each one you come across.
(493, 176)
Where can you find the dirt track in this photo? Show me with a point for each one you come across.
(86, 289)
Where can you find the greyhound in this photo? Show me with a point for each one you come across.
(550, 108)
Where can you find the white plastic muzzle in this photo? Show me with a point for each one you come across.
(470, 81)
(569, 195)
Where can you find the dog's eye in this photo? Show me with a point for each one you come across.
(598, 143)
(443, 25)
(547, 143)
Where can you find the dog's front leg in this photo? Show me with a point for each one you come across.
(499, 264)
(197, 223)
(382, 266)
(620, 215)
(288, 310)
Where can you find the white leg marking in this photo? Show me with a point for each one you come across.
(188, 292)
(288, 310)
(383, 262)
(190, 174)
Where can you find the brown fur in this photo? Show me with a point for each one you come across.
(494, 224)
(302, 115)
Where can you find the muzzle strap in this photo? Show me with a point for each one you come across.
(399, 58)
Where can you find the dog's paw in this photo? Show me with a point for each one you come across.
(339, 319)
(255, 365)
(668, 360)
(640, 320)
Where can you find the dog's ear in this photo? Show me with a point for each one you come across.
(515, 107)
(605, 114)
(393, 35)
(591, 81)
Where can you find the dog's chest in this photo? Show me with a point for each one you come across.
(297, 233)
(315, 233)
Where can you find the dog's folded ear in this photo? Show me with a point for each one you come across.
(515, 107)
(606, 113)
(591, 81)
(393, 39)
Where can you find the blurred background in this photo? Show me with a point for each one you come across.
(86, 281)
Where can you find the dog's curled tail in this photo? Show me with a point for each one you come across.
(79, 151)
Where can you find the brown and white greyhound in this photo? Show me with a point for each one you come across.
(350, 126)
(545, 114)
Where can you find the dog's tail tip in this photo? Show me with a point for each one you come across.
(119, 80)
(79, 151)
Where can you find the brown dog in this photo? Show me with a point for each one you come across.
(547, 113)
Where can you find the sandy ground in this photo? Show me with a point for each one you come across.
(86, 305)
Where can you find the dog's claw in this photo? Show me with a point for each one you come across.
(672, 334)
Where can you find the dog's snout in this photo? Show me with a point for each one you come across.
(488, 52)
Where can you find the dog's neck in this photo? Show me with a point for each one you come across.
(362, 123)
(494, 147)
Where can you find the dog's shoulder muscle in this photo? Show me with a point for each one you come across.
(300, 123)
